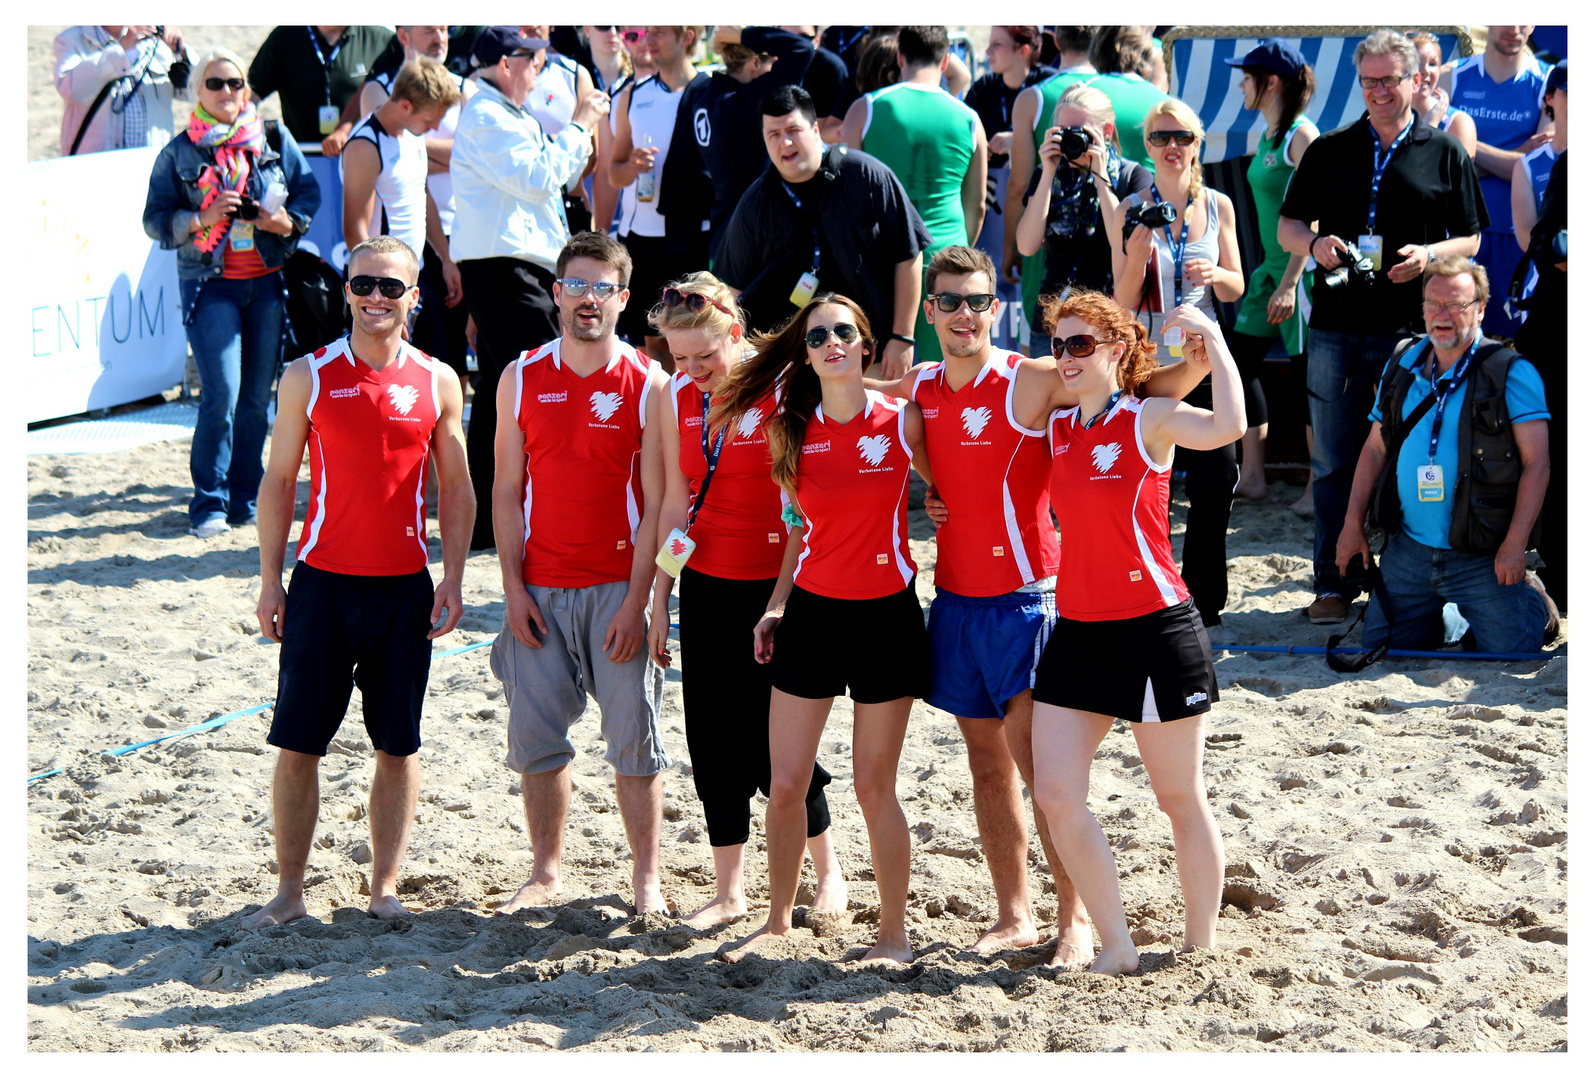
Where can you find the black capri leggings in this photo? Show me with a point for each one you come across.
(1249, 352)
(726, 701)
(1209, 480)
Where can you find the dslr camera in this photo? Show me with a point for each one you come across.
(1152, 215)
(248, 210)
(1355, 271)
(1072, 141)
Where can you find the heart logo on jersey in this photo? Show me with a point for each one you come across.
(747, 426)
(974, 420)
(604, 405)
(873, 449)
(1104, 455)
(403, 397)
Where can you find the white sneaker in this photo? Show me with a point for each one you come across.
(210, 529)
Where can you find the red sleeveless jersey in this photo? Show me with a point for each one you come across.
(992, 474)
(370, 434)
(583, 443)
(852, 487)
(1112, 504)
(738, 532)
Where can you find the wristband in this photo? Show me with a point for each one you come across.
(900, 337)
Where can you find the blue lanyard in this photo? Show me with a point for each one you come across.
(1116, 394)
(326, 61)
(799, 204)
(1380, 163)
(1176, 250)
(1442, 392)
(712, 456)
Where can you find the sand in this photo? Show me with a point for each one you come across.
(1397, 874)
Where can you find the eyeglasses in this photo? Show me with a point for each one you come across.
(1388, 82)
(846, 333)
(633, 36)
(1179, 138)
(1453, 307)
(391, 287)
(694, 301)
(577, 287)
(214, 84)
(951, 301)
(606, 29)
(1078, 346)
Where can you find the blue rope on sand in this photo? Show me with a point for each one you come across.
(1408, 654)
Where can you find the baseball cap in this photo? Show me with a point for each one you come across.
(1557, 79)
(496, 42)
(1275, 55)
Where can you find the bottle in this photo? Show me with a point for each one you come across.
(646, 183)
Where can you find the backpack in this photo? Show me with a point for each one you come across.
(315, 306)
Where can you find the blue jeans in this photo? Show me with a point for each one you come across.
(235, 331)
(1342, 373)
(1419, 580)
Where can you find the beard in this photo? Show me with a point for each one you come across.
(961, 347)
(592, 331)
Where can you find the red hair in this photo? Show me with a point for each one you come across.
(1112, 323)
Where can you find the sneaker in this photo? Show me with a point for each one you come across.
(209, 530)
(1328, 608)
(1552, 620)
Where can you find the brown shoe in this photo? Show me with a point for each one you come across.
(1328, 608)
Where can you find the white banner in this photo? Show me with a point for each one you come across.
(102, 316)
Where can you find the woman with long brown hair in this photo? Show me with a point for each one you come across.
(844, 616)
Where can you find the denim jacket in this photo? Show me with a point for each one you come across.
(174, 198)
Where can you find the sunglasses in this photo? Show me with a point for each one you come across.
(1162, 138)
(214, 84)
(1078, 346)
(577, 287)
(633, 36)
(694, 302)
(951, 301)
(606, 29)
(391, 287)
(846, 333)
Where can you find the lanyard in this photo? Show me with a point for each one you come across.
(1116, 394)
(1380, 163)
(799, 203)
(1442, 392)
(1176, 250)
(326, 61)
(712, 456)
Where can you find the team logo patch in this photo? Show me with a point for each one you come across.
(774, 538)
(880, 560)
(747, 426)
(620, 546)
(1134, 575)
(1195, 698)
(998, 551)
(1104, 455)
(974, 421)
(700, 127)
(403, 397)
(604, 405)
(873, 449)
(409, 530)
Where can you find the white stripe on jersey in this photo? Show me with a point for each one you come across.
(896, 519)
(315, 390)
(1169, 597)
(321, 501)
(1011, 375)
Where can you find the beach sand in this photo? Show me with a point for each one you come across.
(1396, 845)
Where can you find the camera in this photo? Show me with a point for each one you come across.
(1151, 215)
(1072, 141)
(1358, 576)
(248, 209)
(1357, 271)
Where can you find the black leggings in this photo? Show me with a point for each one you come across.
(1249, 352)
(726, 703)
(1209, 480)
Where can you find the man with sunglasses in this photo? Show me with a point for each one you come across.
(361, 608)
(1402, 194)
(576, 492)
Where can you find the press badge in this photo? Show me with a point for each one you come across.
(242, 236)
(327, 116)
(1430, 483)
(1173, 340)
(1372, 247)
(675, 553)
(807, 285)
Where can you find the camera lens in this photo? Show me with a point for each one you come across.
(249, 209)
(1073, 141)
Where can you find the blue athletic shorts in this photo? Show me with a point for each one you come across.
(983, 649)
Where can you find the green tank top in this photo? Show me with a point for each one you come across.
(1269, 175)
(1051, 92)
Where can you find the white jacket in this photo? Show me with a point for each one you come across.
(509, 181)
(86, 58)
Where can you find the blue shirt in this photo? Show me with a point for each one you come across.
(1429, 522)
(1506, 114)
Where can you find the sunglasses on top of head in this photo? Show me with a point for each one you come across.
(1178, 138)
(951, 301)
(1078, 346)
(846, 333)
(694, 301)
(392, 288)
(213, 84)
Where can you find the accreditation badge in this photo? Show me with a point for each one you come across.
(675, 553)
(241, 237)
(807, 285)
(327, 117)
(1373, 247)
(1430, 483)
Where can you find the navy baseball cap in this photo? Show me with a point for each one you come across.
(497, 42)
(1275, 55)
(1557, 79)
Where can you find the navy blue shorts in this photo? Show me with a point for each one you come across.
(983, 649)
(346, 630)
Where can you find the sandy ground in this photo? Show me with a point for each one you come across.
(1397, 873)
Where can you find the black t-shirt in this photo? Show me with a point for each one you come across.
(827, 82)
(287, 64)
(1429, 193)
(993, 99)
(1083, 259)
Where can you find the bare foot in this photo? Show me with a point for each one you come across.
(718, 910)
(889, 951)
(1074, 948)
(1123, 960)
(532, 894)
(735, 951)
(1008, 935)
(284, 907)
(1255, 489)
(1303, 506)
(650, 900)
(830, 896)
(387, 906)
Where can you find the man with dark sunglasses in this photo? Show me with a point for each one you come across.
(361, 608)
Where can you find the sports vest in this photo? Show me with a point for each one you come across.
(651, 111)
(400, 186)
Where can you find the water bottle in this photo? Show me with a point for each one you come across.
(646, 183)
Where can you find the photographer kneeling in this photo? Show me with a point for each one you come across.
(1457, 482)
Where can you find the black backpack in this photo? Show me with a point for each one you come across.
(314, 290)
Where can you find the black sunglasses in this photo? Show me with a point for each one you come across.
(846, 333)
(951, 301)
(391, 287)
(606, 28)
(1078, 346)
(577, 287)
(214, 84)
(1161, 138)
(694, 301)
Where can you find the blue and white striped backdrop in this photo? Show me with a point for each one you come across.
(1201, 78)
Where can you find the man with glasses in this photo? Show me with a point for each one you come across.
(360, 609)
(1460, 438)
(576, 491)
(509, 183)
(1400, 195)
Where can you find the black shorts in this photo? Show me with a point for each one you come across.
(347, 630)
(872, 650)
(651, 270)
(1151, 668)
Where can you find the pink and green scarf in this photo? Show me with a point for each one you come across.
(233, 144)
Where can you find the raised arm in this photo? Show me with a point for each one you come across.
(1167, 423)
